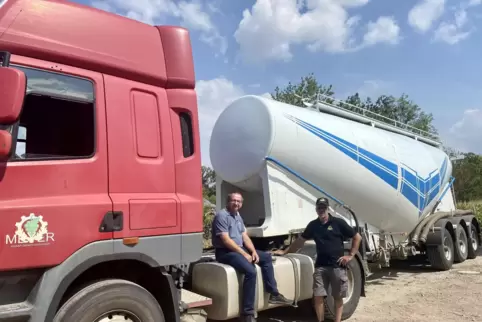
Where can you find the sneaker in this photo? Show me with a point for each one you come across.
(248, 318)
(279, 299)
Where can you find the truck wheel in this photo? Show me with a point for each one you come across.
(473, 242)
(461, 245)
(350, 303)
(111, 301)
(441, 257)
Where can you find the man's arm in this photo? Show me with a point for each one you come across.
(247, 242)
(355, 244)
(299, 242)
(221, 229)
(295, 246)
(349, 232)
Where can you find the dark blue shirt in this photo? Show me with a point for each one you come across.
(224, 222)
(329, 239)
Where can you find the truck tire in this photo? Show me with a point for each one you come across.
(473, 242)
(461, 245)
(350, 303)
(111, 300)
(441, 257)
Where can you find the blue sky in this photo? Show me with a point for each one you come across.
(425, 48)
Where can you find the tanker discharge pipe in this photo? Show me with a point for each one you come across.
(440, 215)
(421, 224)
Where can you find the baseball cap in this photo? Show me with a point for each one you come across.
(322, 201)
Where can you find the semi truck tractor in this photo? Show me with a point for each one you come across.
(101, 207)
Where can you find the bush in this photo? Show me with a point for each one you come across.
(207, 221)
(475, 206)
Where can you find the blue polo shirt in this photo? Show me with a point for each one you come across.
(224, 222)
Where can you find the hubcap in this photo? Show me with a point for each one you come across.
(447, 250)
(118, 316)
(462, 243)
(473, 238)
(351, 279)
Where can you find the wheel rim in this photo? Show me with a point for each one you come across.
(462, 242)
(351, 284)
(447, 249)
(473, 238)
(118, 316)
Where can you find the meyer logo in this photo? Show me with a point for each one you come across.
(31, 231)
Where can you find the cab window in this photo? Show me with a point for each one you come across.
(58, 117)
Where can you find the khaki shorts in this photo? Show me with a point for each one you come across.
(336, 277)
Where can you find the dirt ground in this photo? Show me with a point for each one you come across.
(413, 293)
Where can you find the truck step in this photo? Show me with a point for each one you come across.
(191, 300)
(15, 310)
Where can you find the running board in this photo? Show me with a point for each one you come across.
(15, 311)
(190, 300)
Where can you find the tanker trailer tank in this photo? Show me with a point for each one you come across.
(282, 157)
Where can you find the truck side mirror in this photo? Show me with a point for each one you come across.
(5, 145)
(13, 85)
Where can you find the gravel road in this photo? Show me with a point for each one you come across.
(413, 293)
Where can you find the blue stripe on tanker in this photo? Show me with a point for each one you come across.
(418, 190)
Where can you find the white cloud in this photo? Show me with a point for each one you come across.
(191, 14)
(269, 29)
(385, 29)
(213, 97)
(473, 3)
(464, 135)
(373, 88)
(453, 32)
(456, 30)
(425, 13)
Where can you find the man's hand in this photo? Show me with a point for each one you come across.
(255, 257)
(248, 257)
(344, 260)
(279, 252)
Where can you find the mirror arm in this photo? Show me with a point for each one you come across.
(5, 58)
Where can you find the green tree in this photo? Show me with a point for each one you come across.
(402, 110)
(209, 184)
(209, 194)
(468, 177)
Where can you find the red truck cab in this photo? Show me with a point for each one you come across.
(101, 170)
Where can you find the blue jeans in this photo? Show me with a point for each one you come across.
(240, 264)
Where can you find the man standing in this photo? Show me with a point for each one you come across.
(328, 232)
(235, 248)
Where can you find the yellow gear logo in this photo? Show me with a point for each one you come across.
(31, 229)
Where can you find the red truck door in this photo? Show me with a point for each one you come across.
(54, 190)
(142, 182)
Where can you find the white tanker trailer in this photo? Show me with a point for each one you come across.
(282, 157)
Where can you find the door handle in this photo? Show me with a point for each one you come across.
(112, 221)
